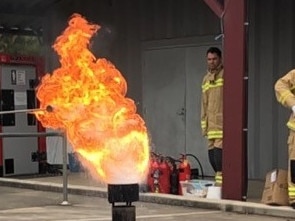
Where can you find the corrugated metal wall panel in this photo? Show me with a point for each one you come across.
(176, 19)
(271, 40)
(263, 89)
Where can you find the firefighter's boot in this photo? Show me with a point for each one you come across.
(218, 178)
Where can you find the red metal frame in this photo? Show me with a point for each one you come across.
(235, 98)
(234, 160)
(38, 62)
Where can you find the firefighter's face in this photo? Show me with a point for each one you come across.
(213, 61)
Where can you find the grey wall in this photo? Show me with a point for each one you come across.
(271, 54)
(168, 19)
(126, 24)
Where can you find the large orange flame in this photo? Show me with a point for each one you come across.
(89, 104)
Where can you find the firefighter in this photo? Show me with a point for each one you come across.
(285, 94)
(212, 110)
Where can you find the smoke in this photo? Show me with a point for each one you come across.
(103, 43)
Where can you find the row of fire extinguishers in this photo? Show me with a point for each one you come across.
(165, 173)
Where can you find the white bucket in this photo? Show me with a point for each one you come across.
(214, 192)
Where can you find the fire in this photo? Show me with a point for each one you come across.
(88, 96)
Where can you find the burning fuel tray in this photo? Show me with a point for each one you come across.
(119, 193)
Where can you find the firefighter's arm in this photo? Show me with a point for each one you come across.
(283, 89)
(204, 119)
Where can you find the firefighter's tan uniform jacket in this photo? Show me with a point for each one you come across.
(285, 94)
(212, 104)
(285, 90)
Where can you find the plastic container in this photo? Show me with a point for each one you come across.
(197, 188)
(214, 192)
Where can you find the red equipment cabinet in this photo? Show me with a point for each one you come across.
(19, 76)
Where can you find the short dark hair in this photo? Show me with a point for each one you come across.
(214, 50)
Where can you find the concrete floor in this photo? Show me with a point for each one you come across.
(255, 187)
(84, 185)
(24, 204)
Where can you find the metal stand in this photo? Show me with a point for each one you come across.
(123, 213)
(40, 134)
(65, 172)
(123, 193)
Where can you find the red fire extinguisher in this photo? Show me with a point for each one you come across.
(184, 169)
(150, 179)
(164, 179)
(155, 176)
(174, 179)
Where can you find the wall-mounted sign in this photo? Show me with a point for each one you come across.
(20, 77)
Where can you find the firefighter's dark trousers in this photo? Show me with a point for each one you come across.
(215, 158)
(291, 167)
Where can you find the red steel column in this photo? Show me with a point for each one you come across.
(1, 139)
(234, 169)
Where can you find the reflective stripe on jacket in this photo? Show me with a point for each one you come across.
(212, 104)
(285, 90)
(291, 192)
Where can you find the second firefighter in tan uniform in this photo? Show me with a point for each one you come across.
(285, 90)
(212, 110)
